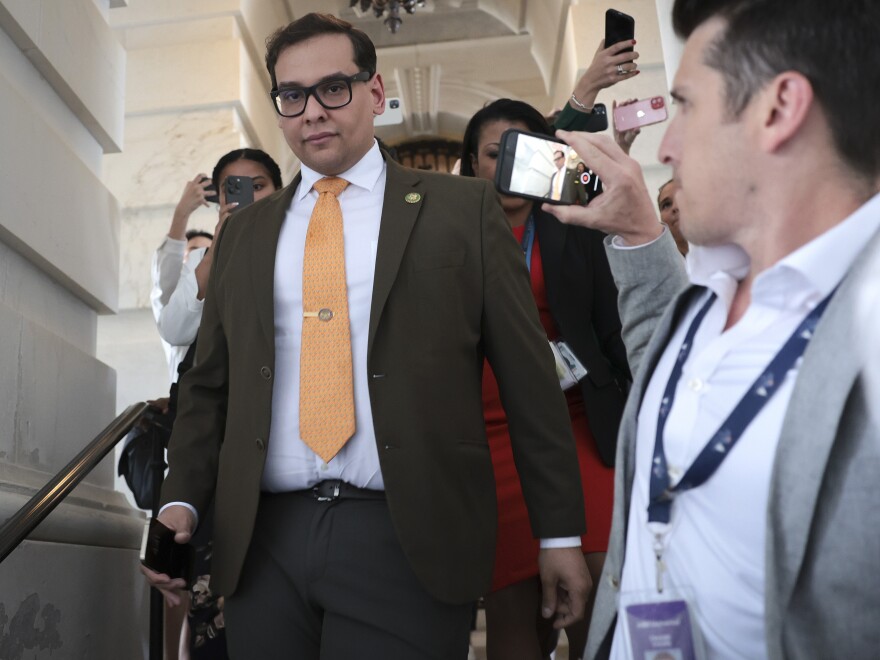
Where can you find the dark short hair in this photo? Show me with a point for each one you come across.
(833, 44)
(198, 233)
(313, 25)
(257, 156)
(500, 110)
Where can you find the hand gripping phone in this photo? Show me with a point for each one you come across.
(542, 168)
(640, 113)
(212, 197)
(160, 553)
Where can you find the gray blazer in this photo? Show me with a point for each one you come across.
(822, 588)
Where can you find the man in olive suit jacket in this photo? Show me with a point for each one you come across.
(379, 552)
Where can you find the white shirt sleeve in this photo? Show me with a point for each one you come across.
(165, 272)
(179, 319)
(562, 542)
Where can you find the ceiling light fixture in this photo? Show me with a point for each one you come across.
(390, 7)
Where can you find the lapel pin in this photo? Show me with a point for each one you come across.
(412, 198)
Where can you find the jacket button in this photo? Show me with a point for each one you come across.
(615, 583)
(260, 444)
(266, 373)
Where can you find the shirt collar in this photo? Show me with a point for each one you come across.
(826, 259)
(820, 265)
(363, 174)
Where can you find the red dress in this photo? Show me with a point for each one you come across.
(516, 550)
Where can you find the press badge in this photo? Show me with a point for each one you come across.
(661, 629)
(568, 368)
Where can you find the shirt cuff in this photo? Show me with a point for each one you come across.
(566, 542)
(183, 504)
(618, 244)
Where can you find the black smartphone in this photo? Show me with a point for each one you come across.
(543, 168)
(240, 189)
(160, 553)
(212, 195)
(598, 120)
(619, 27)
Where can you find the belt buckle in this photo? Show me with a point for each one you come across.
(334, 496)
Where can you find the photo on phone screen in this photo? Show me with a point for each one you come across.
(240, 189)
(619, 27)
(542, 168)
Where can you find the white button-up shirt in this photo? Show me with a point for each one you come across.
(290, 464)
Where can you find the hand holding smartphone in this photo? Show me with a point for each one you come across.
(542, 168)
(160, 553)
(641, 113)
(212, 197)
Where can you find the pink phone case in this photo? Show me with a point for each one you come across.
(640, 113)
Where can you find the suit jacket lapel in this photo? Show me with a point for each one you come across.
(398, 219)
(824, 382)
(264, 244)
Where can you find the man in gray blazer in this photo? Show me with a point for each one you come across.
(748, 459)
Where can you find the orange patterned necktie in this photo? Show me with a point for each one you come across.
(326, 394)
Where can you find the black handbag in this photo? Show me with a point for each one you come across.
(142, 455)
(142, 461)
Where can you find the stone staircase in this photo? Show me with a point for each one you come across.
(478, 641)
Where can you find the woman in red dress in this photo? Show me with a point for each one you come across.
(577, 303)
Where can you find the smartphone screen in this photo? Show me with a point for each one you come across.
(240, 189)
(619, 27)
(543, 168)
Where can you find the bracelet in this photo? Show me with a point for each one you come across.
(584, 108)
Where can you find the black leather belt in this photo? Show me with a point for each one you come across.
(336, 489)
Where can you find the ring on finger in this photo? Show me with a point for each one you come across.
(620, 70)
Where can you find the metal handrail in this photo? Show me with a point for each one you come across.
(22, 523)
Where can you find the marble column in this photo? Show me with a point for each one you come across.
(71, 589)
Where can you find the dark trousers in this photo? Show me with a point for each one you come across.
(329, 581)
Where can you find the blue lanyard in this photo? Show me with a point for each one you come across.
(724, 439)
(528, 241)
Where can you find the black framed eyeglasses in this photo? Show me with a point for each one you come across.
(332, 94)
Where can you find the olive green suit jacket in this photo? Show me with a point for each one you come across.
(450, 288)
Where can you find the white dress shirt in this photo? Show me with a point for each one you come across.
(179, 320)
(715, 541)
(173, 299)
(290, 464)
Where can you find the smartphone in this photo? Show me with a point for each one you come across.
(640, 113)
(393, 113)
(239, 189)
(538, 167)
(212, 192)
(160, 553)
(619, 27)
(598, 119)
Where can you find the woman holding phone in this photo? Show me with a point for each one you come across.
(178, 318)
(577, 302)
